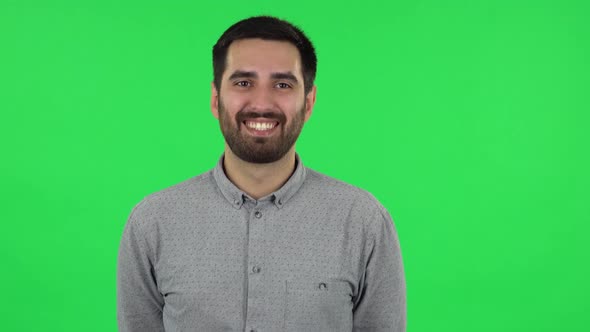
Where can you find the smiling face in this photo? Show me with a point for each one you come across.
(261, 104)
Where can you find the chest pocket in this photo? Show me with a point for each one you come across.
(318, 306)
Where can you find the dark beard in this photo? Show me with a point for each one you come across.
(259, 150)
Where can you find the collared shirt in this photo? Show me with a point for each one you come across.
(316, 255)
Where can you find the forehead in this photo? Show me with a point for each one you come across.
(263, 56)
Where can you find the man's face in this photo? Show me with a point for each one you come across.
(261, 105)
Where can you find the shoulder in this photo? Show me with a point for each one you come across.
(359, 200)
(358, 207)
(173, 199)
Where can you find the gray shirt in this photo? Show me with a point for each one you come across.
(316, 255)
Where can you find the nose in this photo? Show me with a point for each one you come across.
(261, 99)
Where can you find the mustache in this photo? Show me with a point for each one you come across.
(244, 115)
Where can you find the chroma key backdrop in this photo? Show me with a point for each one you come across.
(468, 120)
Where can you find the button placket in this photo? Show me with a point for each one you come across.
(255, 269)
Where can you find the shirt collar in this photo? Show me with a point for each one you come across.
(236, 197)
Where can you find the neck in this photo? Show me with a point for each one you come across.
(258, 180)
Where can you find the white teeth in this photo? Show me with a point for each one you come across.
(260, 125)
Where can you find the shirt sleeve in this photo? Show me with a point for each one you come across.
(139, 302)
(381, 304)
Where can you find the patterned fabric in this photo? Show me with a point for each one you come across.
(316, 255)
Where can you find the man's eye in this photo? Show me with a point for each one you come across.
(283, 85)
(243, 83)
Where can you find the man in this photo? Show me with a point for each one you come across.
(261, 243)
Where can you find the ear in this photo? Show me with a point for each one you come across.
(309, 102)
(214, 101)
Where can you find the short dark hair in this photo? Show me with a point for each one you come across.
(267, 28)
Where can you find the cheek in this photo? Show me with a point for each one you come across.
(233, 104)
(292, 107)
(289, 103)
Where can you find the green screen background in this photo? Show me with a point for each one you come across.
(468, 120)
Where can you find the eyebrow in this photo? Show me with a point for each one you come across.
(252, 74)
(284, 76)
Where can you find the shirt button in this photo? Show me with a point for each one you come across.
(258, 214)
(256, 269)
